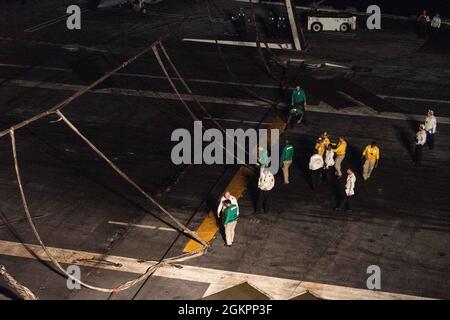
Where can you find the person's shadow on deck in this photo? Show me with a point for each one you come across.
(213, 202)
(305, 147)
(406, 139)
(352, 160)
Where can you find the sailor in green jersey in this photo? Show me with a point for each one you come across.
(231, 218)
(298, 103)
(263, 157)
(298, 97)
(286, 160)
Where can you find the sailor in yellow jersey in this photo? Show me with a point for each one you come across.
(372, 154)
(322, 144)
(325, 140)
(340, 151)
(320, 147)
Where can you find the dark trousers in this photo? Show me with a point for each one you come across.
(345, 202)
(262, 201)
(328, 175)
(434, 33)
(240, 26)
(422, 30)
(295, 117)
(315, 178)
(419, 149)
(302, 116)
(292, 120)
(430, 140)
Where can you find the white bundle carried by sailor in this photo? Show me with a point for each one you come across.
(266, 180)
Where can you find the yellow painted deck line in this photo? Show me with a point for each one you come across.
(237, 186)
(277, 288)
(208, 228)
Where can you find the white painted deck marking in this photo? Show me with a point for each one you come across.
(321, 107)
(254, 85)
(25, 66)
(148, 76)
(53, 44)
(285, 46)
(296, 60)
(238, 121)
(142, 226)
(137, 93)
(336, 65)
(415, 99)
(277, 288)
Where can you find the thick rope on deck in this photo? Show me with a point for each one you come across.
(182, 227)
(23, 291)
(73, 97)
(158, 58)
(163, 263)
(56, 109)
(82, 91)
(122, 287)
(33, 227)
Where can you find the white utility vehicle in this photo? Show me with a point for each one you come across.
(342, 24)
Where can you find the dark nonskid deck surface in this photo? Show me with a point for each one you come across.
(82, 208)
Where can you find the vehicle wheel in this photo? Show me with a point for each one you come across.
(344, 27)
(316, 27)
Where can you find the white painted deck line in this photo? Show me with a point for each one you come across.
(415, 99)
(137, 93)
(321, 107)
(285, 46)
(254, 85)
(277, 288)
(238, 121)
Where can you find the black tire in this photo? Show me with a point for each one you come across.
(344, 27)
(316, 27)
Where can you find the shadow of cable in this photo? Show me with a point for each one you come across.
(8, 294)
(17, 236)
